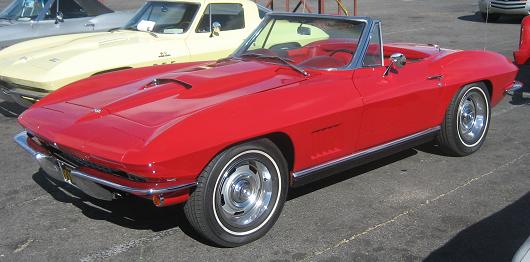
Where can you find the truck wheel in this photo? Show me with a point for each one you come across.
(240, 194)
(466, 121)
(490, 17)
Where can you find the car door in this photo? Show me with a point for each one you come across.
(205, 45)
(402, 103)
(61, 17)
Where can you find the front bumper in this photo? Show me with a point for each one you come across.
(510, 7)
(90, 184)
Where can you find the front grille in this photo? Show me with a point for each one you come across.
(509, 4)
(78, 162)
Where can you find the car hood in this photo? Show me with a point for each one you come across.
(139, 112)
(59, 57)
(185, 91)
(177, 93)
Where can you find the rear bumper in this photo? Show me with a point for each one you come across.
(515, 89)
(91, 184)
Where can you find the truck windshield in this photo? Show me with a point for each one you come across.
(164, 17)
(23, 9)
(306, 42)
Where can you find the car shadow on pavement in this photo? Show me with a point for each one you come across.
(495, 238)
(9, 109)
(130, 212)
(334, 179)
(506, 19)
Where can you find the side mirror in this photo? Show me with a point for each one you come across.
(216, 29)
(396, 60)
(59, 18)
(302, 30)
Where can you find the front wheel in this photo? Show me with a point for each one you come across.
(240, 194)
(466, 121)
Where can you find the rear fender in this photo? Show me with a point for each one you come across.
(465, 67)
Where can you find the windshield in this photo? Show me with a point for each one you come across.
(23, 9)
(164, 17)
(307, 41)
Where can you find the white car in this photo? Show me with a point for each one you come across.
(491, 10)
(29, 19)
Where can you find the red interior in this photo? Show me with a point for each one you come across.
(336, 53)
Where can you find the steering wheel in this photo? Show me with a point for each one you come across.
(343, 50)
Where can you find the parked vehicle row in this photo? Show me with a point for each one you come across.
(279, 103)
(23, 20)
(162, 32)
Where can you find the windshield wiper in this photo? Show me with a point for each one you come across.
(132, 29)
(115, 29)
(7, 19)
(286, 61)
(136, 30)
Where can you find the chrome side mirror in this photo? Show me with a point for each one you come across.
(216, 28)
(59, 18)
(396, 60)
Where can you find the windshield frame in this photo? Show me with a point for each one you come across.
(139, 13)
(362, 45)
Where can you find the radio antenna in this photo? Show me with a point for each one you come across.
(486, 30)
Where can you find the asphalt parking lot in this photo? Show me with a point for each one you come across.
(415, 205)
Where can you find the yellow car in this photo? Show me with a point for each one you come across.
(162, 32)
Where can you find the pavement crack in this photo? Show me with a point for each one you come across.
(414, 209)
(23, 245)
(121, 248)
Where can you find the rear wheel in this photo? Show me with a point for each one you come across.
(466, 121)
(240, 194)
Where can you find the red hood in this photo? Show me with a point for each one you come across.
(84, 122)
(200, 87)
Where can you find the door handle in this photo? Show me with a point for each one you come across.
(435, 77)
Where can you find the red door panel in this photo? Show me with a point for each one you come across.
(402, 103)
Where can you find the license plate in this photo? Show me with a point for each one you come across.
(66, 170)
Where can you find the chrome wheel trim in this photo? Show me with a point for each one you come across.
(472, 117)
(252, 196)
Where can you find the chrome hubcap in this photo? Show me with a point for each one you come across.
(472, 118)
(245, 193)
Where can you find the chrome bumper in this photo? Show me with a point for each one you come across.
(516, 89)
(91, 185)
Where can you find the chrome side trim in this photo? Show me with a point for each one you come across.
(21, 140)
(308, 171)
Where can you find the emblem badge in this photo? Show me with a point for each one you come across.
(164, 54)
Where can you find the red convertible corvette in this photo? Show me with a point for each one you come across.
(305, 96)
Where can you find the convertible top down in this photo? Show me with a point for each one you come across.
(305, 96)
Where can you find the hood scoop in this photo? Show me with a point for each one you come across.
(162, 81)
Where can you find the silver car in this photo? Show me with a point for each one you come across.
(28, 19)
(493, 9)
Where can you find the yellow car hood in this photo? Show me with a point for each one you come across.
(52, 62)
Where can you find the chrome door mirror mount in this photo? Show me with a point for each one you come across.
(59, 18)
(397, 60)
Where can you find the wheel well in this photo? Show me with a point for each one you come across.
(112, 70)
(284, 143)
(489, 87)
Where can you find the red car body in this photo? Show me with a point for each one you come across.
(162, 137)
(522, 55)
